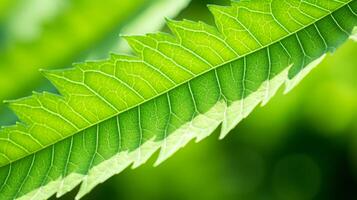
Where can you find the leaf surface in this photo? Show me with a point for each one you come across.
(118, 112)
(32, 34)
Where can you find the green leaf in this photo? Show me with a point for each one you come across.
(118, 112)
(34, 27)
(26, 23)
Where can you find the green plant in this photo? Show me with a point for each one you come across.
(81, 26)
(118, 112)
(33, 27)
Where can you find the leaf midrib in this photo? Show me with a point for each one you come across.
(178, 85)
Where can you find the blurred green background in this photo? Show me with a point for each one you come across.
(300, 146)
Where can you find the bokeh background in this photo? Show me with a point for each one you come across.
(300, 146)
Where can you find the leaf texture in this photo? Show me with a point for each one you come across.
(118, 112)
(81, 26)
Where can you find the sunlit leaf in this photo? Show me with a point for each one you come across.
(118, 112)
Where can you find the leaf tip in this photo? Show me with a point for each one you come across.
(212, 7)
(158, 162)
(9, 102)
(44, 72)
(171, 22)
(123, 35)
(126, 36)
(5, 101)
(168, 20)
(35, 93)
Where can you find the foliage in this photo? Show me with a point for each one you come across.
(186, 87)
(32, 33)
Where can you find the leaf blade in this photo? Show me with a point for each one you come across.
(193, 106)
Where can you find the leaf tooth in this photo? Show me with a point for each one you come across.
(191, 26)
(22, 107)
(8, 128)
(218, 16)
(70, 182)
(172, 24)
(145, 152)
(217, 9)
(54, 76)
(175, 27)
(179, 142)
(62, 79)
(138, 42)
(118, 163)
(292, 83)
